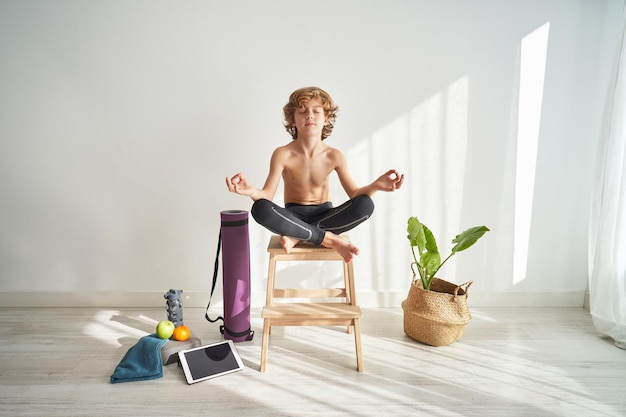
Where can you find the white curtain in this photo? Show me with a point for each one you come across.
(607, 278)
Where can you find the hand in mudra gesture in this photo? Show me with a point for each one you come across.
(239, 184)
(389, 181)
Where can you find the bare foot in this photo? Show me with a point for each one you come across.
(347, 250)
(288, 243)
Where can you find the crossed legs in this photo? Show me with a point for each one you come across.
(318, 224)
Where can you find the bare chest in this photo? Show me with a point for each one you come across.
(307, 172)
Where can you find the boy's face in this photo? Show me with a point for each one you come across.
(310, 117)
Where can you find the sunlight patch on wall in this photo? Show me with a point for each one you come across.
(534, 49)
(429, 144)
(456, 147)
(438, 147)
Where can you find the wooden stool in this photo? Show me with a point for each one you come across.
(333, 313)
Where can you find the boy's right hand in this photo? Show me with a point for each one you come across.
(238, 184)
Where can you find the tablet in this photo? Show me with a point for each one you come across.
(210, 361)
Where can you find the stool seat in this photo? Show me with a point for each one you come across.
(338, 309)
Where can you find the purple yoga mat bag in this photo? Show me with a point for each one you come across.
(235, 244)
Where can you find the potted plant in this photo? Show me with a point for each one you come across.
(435, 311)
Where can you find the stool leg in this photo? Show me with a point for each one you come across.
(357, 343)
(346, 282)
(264, 345)
(348, 279)
(271, 276)
(269, 300)
(271, 279)
(350, 286)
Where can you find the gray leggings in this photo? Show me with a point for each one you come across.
(309, 223)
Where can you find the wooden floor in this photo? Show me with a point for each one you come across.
(510, 362)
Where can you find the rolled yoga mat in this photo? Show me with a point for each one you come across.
(235, 244)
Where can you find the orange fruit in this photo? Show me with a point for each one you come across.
(181, 333)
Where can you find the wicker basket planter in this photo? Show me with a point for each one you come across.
(437, 317)
(435, 311)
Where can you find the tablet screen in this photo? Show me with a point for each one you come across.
(210, 361)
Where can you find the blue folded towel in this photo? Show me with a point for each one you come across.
(142, 361)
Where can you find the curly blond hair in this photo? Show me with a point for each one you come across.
(297, 100)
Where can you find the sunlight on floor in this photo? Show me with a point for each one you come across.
(519, 361)
(109, 326)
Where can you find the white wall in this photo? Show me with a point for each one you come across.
(120, 119)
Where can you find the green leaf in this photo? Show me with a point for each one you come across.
(430, 258)
(468, 238)
(430, 261)
(431, 242)
(416, 234)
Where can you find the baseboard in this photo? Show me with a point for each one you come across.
(100, 299)
(199, 299)
(527, 299)
(489, 299)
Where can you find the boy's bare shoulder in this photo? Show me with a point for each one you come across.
(335, 154)
(282, 151)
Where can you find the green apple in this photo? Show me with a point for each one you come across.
(165, 329)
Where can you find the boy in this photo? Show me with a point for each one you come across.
(305, 166)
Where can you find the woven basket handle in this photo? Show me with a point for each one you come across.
(465, 286)
(415, 273)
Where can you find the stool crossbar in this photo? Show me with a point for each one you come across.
(339, 307)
